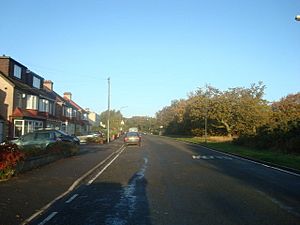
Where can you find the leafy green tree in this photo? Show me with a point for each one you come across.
(286, 110)
(115, 118)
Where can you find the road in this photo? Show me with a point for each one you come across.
(169, 182)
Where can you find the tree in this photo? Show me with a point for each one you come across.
(286, 110)
(115, 118)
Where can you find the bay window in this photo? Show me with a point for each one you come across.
(32, 102)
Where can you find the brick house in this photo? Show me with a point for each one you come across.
(79, 116)
(27, 102)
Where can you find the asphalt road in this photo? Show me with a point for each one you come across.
(168, 182)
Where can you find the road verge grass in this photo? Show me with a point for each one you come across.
(221, 144)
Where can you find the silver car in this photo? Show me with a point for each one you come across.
(132, 138)
(43, 138)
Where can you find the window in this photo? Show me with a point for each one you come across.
(36, 82)
(44, 105)
(19, 128)
(51, 108)
(44, 136)
(26, 126)
(32, 102)
(69, 112)
(74, 114)
(17, 71)
(28, 137)
(18, 100)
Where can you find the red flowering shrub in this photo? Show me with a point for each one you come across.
(10, 155)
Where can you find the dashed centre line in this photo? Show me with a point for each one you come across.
(48, 218)
(208, 157)
(71, 199)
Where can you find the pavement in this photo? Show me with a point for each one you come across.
(27, 193)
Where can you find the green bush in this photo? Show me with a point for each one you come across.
(284, 137)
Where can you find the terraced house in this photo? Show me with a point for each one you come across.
(28, 102)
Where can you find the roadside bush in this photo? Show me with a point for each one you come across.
(10, 155)
(197, 132)
(98, 140)
(64, 148)
(284, 138)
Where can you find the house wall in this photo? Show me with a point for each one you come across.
(6, 106)
(6, 98)
(94, 118)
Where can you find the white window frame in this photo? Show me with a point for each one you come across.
(44, 105)
(52, 108)
(36, 82)
(31, 125)
(69, 112)
(32, 102)
(17, 71)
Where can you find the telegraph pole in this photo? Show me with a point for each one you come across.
(108, 110)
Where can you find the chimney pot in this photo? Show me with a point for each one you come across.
(68, 95)
(48, 84)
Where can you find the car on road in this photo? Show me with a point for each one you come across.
(133, 138)
(43, 138)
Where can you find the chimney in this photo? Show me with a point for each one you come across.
(48, 84)
(68, 95)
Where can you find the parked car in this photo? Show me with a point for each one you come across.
(132, 138)
(94, 134)
(43, 138)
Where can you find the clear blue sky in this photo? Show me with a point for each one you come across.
(155, 51)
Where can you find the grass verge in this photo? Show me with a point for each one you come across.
(278, 158)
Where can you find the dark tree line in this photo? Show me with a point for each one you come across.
(237, 112)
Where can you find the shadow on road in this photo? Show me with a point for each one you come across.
(107, 203)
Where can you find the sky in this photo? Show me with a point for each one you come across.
(154, 51)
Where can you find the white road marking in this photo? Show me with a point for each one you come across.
(71, 199)
(210, 157)
(249, 160)
(48, 218)
(98, 174)
(71, 188)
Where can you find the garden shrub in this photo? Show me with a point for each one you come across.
(98, 140)
(10, 155)
(63, 148)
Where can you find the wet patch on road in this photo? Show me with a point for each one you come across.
(132, 200)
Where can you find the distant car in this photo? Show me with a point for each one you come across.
(132, 138)
(43, 138)
(133, 129)
(94, 134)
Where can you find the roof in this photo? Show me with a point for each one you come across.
(10, 58)
(74, 104)
(18, 112)
(28, 89)
(57, 96)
